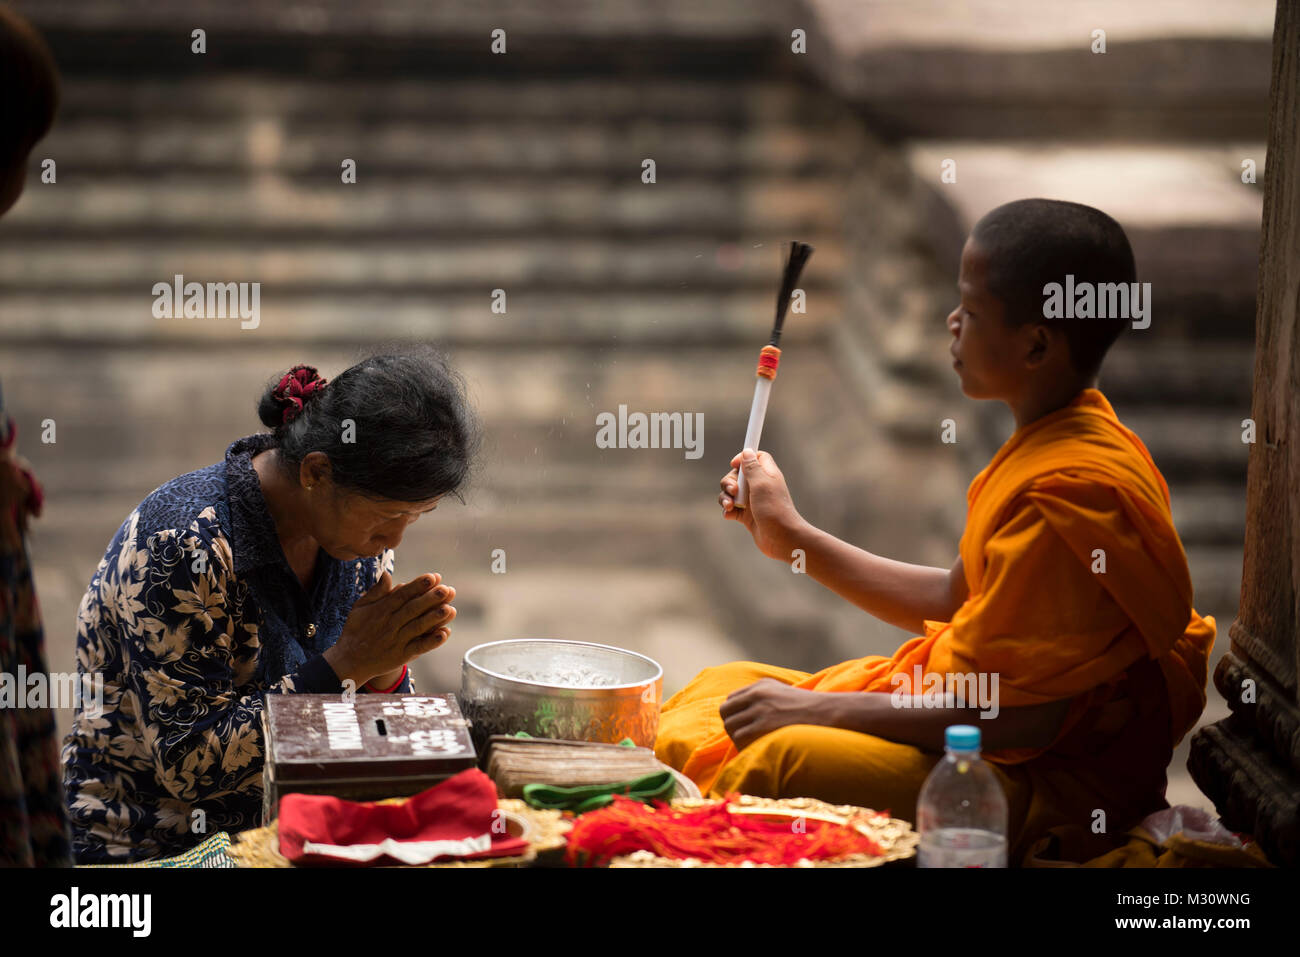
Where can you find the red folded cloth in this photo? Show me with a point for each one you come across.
(457, 818)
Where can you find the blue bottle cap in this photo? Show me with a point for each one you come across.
(962, 737)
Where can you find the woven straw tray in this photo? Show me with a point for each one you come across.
(547, 832)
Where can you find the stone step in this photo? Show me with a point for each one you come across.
(954, 69)
(738, 103)
(315, 146)
(1214, 261)
(1190, 444)
(1147, 370)
(415, 18)
(1140, 184)
(866, 25)
(440, 266)
(272, 205)
(666, 317)
(1208, 514)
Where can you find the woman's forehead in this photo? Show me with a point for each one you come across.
(397, 505)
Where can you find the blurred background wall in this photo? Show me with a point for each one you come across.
(522, 171)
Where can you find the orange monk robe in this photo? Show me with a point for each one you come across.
(1064, 495)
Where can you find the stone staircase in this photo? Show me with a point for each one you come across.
(229, 178)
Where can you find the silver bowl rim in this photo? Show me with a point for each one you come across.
(658, 675)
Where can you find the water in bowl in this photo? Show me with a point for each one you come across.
(581, 677)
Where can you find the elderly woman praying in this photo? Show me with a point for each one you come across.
(267, 573)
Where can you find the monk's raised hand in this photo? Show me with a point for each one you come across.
(770, 515)
(766, 706)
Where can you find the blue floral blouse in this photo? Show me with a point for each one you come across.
(192, 616)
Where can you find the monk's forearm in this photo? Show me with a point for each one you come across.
(922, 727)
(901, 594)
(874, 713)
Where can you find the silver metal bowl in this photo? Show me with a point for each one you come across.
(497, 700)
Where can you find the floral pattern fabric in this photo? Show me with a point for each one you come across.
(191, 618)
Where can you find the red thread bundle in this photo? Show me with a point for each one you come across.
(713, 834)
(768, 360)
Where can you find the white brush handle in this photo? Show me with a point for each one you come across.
(757, 412)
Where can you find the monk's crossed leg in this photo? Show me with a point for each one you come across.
(833, 765)
(722, 680)
(690, 717)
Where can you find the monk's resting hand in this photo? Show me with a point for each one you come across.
(767, 705)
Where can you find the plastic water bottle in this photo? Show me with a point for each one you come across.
(962, 812)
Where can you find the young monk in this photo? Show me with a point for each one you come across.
(1071, 586)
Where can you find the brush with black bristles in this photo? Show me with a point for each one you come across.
(769, 358)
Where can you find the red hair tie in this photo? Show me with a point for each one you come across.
(298, 385)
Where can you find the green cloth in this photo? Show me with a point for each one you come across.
(657, 786)
(211, 853)
(625, 743)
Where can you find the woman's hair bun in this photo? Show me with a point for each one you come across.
(284, 400)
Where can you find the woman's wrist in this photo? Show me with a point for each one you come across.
(387, 684)
(344, 669)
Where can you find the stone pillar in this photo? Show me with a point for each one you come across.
(1249, 763)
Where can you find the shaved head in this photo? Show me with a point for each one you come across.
(1032, 242)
